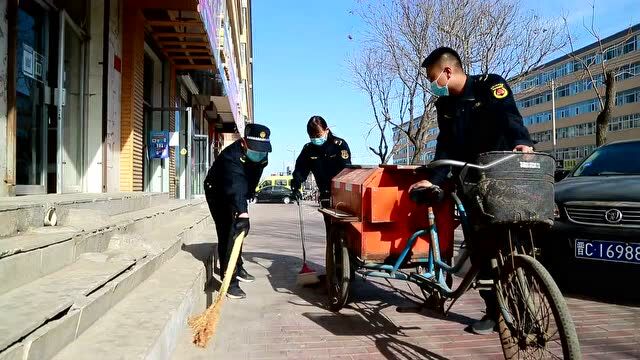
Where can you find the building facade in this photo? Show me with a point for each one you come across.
(120, 96)
(405, 150)
(576, 105)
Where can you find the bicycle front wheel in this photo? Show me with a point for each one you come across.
(534, 320)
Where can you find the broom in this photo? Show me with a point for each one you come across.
(306, 276)
(204, 325)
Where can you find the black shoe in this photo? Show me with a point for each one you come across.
(235, 292)
(244, 276)
(484, 326)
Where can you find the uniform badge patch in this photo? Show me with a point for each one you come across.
(263, 135)
(499, 91)
(344, 154)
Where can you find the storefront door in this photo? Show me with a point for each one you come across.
(71, 113)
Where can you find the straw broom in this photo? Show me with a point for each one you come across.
(204, 325)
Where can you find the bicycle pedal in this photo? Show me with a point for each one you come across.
(483, 284)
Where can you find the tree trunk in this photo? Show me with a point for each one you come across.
(602, 121)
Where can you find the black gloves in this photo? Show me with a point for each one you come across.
(241, 225)
(296, 196)
(427, 195)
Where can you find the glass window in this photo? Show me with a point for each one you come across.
(629, 46)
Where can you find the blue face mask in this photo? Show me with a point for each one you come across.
(318, 141)
(438, 90)
(256, 156)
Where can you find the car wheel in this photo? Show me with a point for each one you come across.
(286, 200)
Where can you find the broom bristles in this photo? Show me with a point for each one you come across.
(204, 325)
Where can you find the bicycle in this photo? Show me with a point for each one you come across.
(533, 317)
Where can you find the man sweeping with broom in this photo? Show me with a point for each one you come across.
(230, 182)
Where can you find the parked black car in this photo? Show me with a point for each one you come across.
(274, 194)
(595, 241)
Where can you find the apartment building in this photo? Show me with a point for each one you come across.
(406, 150)
(118, 95)
(576, 105)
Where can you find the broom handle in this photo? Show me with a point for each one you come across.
(231, 266)
(304, 251)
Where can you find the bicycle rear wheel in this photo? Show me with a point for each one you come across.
(534, 320)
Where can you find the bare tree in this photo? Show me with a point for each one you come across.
(599, 73)
(371, 75)
(491, 36)
(397, 33)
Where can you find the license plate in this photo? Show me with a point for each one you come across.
(608, 251)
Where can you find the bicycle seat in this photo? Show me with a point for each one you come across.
(427, 195)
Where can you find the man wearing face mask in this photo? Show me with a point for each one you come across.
(476, 114)
(324, 156)
(229, 184)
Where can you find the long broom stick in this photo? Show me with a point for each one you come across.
(204, 325)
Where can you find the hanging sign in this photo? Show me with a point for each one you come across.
(159, 144)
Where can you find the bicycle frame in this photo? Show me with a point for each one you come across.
(435, 276)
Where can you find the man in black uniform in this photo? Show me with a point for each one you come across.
(476, 114)
(229, 184)
(325, 156)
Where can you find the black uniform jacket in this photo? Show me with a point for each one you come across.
(233, 178)
(483, 118)
(324, 162)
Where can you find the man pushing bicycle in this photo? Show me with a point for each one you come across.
(476, 114)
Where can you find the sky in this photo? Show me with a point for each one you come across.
(300, 54)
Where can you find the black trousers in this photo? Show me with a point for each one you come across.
(484, 248)
(223, 217)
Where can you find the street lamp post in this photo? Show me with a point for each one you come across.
(294, 157)
(553, 116)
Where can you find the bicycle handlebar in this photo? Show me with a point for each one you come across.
(462, 164)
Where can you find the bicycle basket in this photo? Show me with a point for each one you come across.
(517, 191)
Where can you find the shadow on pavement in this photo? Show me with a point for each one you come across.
(368, 300)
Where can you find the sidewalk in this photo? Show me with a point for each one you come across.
(280, 320)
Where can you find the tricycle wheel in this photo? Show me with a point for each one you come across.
(338, 269)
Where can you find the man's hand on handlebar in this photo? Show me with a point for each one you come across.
(523, 148)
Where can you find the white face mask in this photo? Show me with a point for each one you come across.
(438, 90)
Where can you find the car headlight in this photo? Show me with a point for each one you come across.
(556, 211)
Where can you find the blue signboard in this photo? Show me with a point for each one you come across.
(159, 144)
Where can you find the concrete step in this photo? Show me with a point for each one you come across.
(28, 307)
(148, 322)
(39, 252)
(19, 214)
(145, 252)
